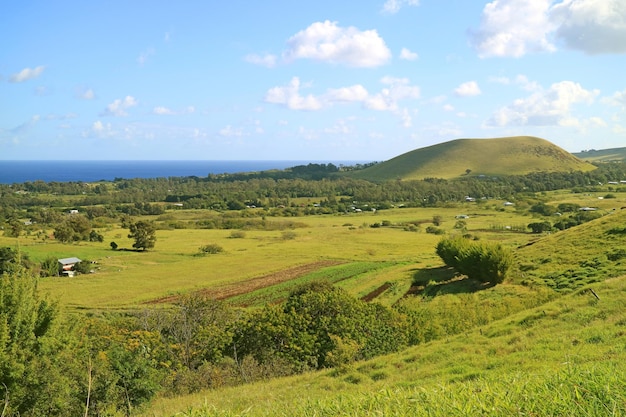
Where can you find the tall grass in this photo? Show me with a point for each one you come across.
(596, 391)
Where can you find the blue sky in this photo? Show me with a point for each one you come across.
(306, 80)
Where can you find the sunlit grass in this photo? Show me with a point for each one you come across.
(561, 358)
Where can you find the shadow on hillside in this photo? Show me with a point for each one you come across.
(443, 280)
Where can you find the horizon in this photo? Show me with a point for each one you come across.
(306, 81)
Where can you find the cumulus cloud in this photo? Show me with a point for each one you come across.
(617, 99)
(394, 6)
(267, 60)
(119, 107)
(407, 55)
(290, 97)
(591, 26)
(161, 110)
(513, 28)
(352, 93)
(26, 74)
(395, 90)
(387, 99)
(99, 129)
(551, 107)
(328, 42)
(516, 27)
(468, 89)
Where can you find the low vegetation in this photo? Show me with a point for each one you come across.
(311, 292)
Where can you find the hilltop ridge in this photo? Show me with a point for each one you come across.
(516, 155)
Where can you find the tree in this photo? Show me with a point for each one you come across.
(540, 227)
(32, 361)
(74, 228)
(144, 233)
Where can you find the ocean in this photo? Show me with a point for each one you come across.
(89, 171)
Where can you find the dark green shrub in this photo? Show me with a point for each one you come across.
(485, 262)
(211, 249)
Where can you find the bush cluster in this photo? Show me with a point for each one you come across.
(485, 262)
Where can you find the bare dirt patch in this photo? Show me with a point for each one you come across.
(253, 284)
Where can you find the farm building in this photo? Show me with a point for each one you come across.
(67, 265)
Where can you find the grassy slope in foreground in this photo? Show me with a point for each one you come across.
(563, 358)
(500, 156)
(569, 259)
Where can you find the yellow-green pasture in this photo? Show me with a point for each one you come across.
(127, 279)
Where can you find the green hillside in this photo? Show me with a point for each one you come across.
(563, 356)
(499, 156)
(566, 260)
(603, 155)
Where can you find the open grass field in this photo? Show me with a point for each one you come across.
(379, 262)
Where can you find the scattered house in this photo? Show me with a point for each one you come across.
(613, 182)
(461, 216)
(622, 182)
(469, 199)
(508, 203)
(587, 209)
(67, 265)
(73, 211)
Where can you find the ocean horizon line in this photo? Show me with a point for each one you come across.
(20, 171)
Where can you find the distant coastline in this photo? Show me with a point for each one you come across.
(90, 171)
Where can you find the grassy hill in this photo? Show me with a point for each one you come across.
(566, 260)
(563, 356)
(499, 156)
(603, 155)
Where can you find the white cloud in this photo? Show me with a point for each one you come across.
(517, 27)
(119, 107)
(513, 28)
(448, 107)
(592, 26)
(87, 94)
(101, 130)
(353, 93)
(267, 60)
(162, 111)
(468, 89)
(395, 90)
(407, 55)
(325, 41)
(230, 131)
(526, 84)
(394, 6)
(617, 99)
(143, 56)
(550, 107)
(26, 74)
(387, 99)
(290, 97)
(339, 128)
